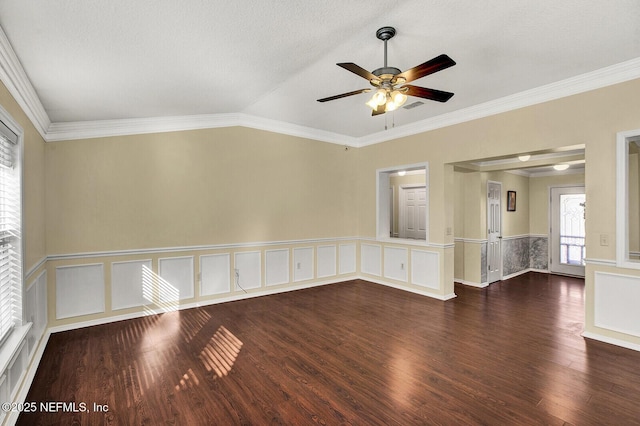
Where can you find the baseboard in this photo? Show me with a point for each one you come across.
(159, 310)
(524, 271)
(410, 289)
(506, 277)
(542, 271)
(516, 274)
(611, 340)
(472, 284)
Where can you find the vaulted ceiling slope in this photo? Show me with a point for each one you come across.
(112, 67)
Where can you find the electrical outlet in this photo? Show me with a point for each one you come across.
(449, 230)
(402, 266)
(237, 273)
(604, 239)
(298, 265)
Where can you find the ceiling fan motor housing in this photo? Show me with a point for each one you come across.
(386, 75)
(381, 72)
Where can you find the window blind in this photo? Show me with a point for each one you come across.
(10, 232)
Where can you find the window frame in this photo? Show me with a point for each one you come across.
(18, 314)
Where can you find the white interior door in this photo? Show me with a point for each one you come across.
(413, 215)
(494, 231)
(567, 249)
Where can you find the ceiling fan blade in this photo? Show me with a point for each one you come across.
(436, 64)
(432, 94)
(380, 110)
(357, 69)
(344, 95)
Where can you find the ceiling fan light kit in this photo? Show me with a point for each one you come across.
(391, 90)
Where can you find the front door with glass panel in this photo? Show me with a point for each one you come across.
(567, 249)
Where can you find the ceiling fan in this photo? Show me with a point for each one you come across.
(390, 84)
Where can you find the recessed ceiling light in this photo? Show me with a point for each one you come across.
(402, 173)
(524, 157)
(561, 166)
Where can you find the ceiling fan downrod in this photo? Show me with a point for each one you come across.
(385, 34)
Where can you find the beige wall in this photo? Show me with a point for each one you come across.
(475, 210)
(33, 186)
(592, 118)
(202, 187)
(239, 185)
(513, 222)
(470, 217)
(532, 212)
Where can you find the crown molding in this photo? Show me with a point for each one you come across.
(19, 85)
(135, 126)
(569, 171)
(597, 79)
(534, 157)
(15, 79)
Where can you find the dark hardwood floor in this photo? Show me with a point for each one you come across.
(349, 353)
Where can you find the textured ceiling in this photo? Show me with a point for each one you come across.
(114, 59)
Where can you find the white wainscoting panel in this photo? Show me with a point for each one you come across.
(425, 268)
(302, 264)
(17, 369)
(35, 310)
(371, 258)
(326, 258)
(41, 303)
(176, 278)
(616, 303)
(30, 313)
(248, 265)
(215, 274)
(347, 258)
(396, 263)
(79, 290)
(4, 394)
(276, 266)
(127, 284)
(30, 309)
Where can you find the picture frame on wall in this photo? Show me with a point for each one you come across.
(511, 201)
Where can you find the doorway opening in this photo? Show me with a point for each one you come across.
(403, 208)
(485, 252)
